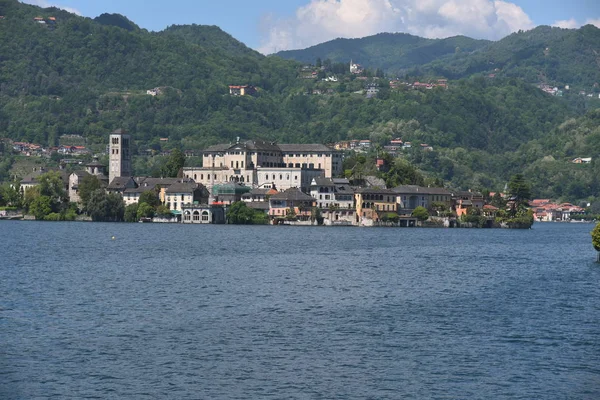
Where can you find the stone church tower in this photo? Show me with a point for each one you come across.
(119, 155)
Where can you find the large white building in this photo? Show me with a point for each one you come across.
(266, 164)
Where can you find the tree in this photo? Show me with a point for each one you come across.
(163, 211)
(402, 173)
(105, 207)
(520, 193)
(596, 239)
(239, 213)
(519, 189)
(150, 197)
(420, 213)
(88, 184)
(131, 213)
(10, 195)
(174, 164)
(145, 210)
(51, 185)
(40, 207)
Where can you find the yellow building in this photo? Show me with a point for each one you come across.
(373, 203)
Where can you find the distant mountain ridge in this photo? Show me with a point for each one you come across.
(388, 51)
(544, 54)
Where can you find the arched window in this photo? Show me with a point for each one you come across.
(196, 216)
(204, 215)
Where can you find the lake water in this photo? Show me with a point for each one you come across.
(230, 312)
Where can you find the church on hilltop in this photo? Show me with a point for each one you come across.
(356, 68)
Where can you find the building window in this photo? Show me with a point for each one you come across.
(204, 215)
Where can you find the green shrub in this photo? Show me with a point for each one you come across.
(53, 217)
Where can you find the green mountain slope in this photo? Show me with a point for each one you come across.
(544, 54)
(79, 76)
(392, 52)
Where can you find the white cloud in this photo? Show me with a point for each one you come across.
(323, 20)
(574, 24)
(46, 4)
(595, 22)
(567, 23)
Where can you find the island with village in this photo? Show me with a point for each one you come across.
(287, 184)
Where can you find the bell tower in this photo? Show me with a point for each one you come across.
(119, 154)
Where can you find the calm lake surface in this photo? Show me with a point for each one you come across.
(229, 312)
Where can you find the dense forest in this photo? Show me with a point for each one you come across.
(90, 76)
(545, 54)
(391, 52)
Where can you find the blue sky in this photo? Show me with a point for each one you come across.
(272, 25)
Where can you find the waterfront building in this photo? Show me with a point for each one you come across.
(203, 214)
(372, 203)
(291, 203)
(410, 197)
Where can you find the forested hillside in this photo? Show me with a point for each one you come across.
(88, 77)
(542, 55)
(391, 52)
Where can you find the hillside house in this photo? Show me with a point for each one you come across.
(242, 90)
(580, 160)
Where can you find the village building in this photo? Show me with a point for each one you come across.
(228, 193)
(203, 214)
(372, 203)
(290, 204)
(258, 195)
(184, 193)
(266, 164)
(463, 201)
(335, 199)
(410, 197)
(242, 90)
(94, 168)
(328, 194)
(32, 179)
